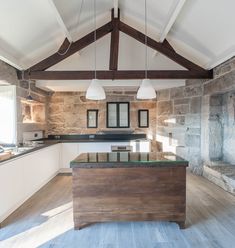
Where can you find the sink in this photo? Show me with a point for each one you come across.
(19, 150)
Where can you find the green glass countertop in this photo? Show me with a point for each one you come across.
(127, 159)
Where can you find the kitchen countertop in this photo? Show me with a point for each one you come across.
(29, 150)
(95, 137)
(55, 139)
(127, 159)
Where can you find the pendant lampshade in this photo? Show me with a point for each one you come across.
(95, 91)
(146, 90)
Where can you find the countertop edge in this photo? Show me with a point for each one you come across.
(127, 165)
(27, 152)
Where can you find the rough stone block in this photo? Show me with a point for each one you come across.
(193, 120)
(195, 105)
(180, 120)
(56, 99)
(163, 120)
(192, 140)
(120, 98)
(193, 90)
(216, 100)
(128, 92)
(117, 92)
(225, 67)
(24, 84)
(182, 109)
(181, 101)
(194, 82)
(8, 74)
(221, 84)
(163, 95)
(177, 93)
(165, 108)
(223, 176)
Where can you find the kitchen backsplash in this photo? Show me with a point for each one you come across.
(67, 112)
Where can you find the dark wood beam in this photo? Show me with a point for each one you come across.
(114, 45)
(75, 47)
(160, 47)
(64, 46)
(168, 45)
(88, 75)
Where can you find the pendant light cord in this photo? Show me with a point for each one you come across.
(95, 35)
(78, 22)
(29, 83)
(145, 30)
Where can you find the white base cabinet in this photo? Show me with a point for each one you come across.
(22, 177)
(70, 151)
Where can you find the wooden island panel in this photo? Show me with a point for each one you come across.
(129, 194)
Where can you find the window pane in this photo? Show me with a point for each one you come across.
(143, 118)
(92, 117)
(112, 115)
(123, 113)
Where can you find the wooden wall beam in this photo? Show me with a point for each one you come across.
(111, 75)
(160, 47)
(75, 47)
(114, 45)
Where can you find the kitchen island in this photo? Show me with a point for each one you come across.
(127, 186)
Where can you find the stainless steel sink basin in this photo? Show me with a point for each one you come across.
(19, 150)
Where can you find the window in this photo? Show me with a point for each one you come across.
(143, 118)
(8, 115)
(92, 118)
(118, 115)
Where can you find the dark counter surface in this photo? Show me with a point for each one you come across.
(66, 138)
(28, 150)
(127, 159)
(82, 138)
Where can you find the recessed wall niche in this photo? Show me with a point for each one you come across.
(32, 112)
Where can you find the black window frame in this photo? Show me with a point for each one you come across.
(96, 119)
(139, 116)
(118, 115)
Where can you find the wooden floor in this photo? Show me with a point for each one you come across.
(46, 221)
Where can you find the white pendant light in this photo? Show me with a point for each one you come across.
(95, 91)
(146, 90)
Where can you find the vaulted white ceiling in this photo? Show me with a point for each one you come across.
(202, 31)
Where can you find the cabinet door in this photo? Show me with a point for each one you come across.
(141, 146)
(22, 177)
(69, 153)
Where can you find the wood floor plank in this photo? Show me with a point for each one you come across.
(46, 221)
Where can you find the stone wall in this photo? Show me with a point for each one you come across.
(217, 117)
(179, 123)
(197, 121)
(68, 112)
(8, 75)
(228, 112)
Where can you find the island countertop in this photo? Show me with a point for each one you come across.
(127, 159)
